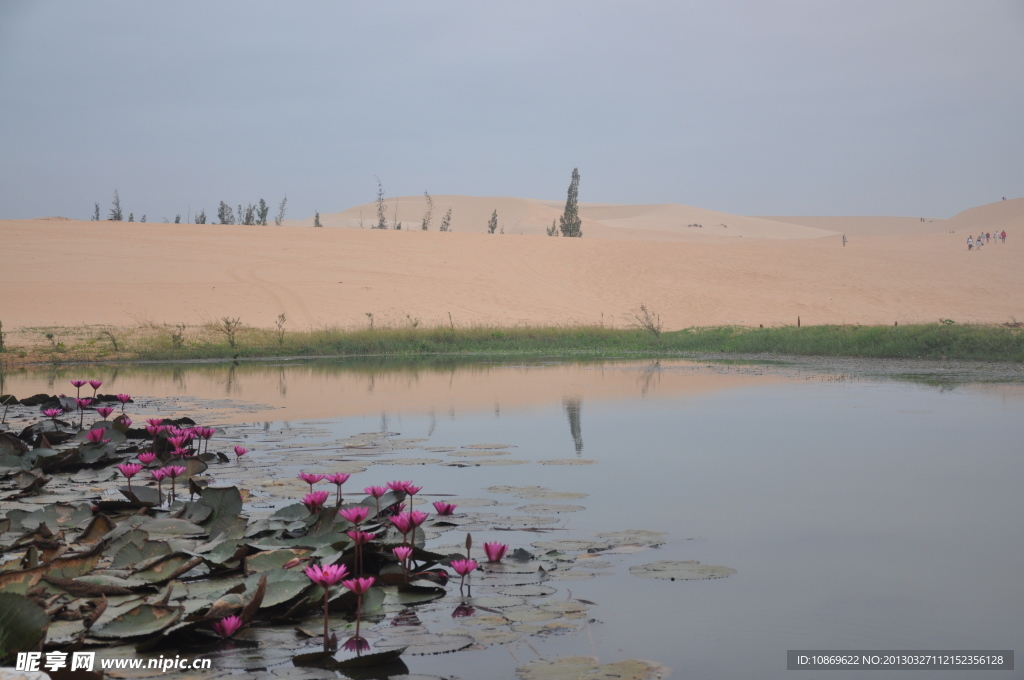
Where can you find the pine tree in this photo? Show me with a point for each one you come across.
(553, 229)
(201, 217)
(280, 211)
(95, 212)
(382, 218)
(262, 212)
(430, 211)
(569, 222)
(115, 210)
(492, 226)
(131, 217)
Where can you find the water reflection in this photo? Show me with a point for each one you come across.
(572, 410)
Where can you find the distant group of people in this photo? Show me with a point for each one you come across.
(984, 237)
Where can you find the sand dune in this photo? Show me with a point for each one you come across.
(522, 216)
(67, 272)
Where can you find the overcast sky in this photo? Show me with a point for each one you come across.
(760, 107)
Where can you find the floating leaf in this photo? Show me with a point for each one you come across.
(132, 554)
(549, 508)
(164, 568)
(689, 570)
(573, 667)
(272, 559)
(22, 625)
(416, 641)
(141, 620)
(567, 461)
(171, 527)
(226, 503)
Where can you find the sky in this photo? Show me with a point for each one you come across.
(756, 107)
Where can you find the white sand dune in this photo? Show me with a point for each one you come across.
(470, 214)
(66, 272)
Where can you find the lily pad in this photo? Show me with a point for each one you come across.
(567, 461)
(416, 641)
(549, 508)
(22, 624)
(536, 493)
(144, 619)
(574, 667)
(673, 570)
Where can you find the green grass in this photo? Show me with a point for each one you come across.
(924, 341)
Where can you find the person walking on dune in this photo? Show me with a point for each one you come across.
(970, 243)
(844, 240)
(1002, 236)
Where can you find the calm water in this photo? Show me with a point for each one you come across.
(858, 513)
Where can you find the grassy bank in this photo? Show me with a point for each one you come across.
(926, 341)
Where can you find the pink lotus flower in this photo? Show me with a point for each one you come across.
(338, 478)
(154, 422)
(398, 485)
(78, 383)
(402, 552)
(495, 551)
(359, 585)
(227, 627)
(147, 457)
(376, 492)
(178, 442)
(129, 470)
(104, 411)
(53, 412)
(356, 515)
(175, 471)
(416, 518)
(315, 501)
(124, 398)
(310, 478)
(360, 537)
(411, 489)
(83, 402)
(95, 385)
(181, 453)
(240, 451)
(463, 568)
(328, 575)
(402, 523)
(444, 508)
(153, 430)
(124, 420)
(159, 474)
(96, 436)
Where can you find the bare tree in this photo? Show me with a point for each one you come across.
(647, 320)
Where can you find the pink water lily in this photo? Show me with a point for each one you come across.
(495, 551)
(174, 471)
(95, 384)
(227, 627)
(376, 492)
(79, 383)
(398, 485)
(356, 515)
(403, 553)
(147, 457)
(360, 537)
(310, 478)
(444, 508)
(315, 501)
(129, 470)
(240, 451)
(403, 524)
(463, 568)
(463, 610)
(96, 436)
(52, 413)
(178, 441)
(104, 411)
(338, 478)
(325, 577)
(124, 399)
(154, 422)
(416, 518)
(124, 420)
(359, 585)
(82, 403)
(159, 475)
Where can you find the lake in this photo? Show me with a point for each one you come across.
(859, 509)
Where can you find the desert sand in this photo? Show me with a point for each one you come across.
(730, 270)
